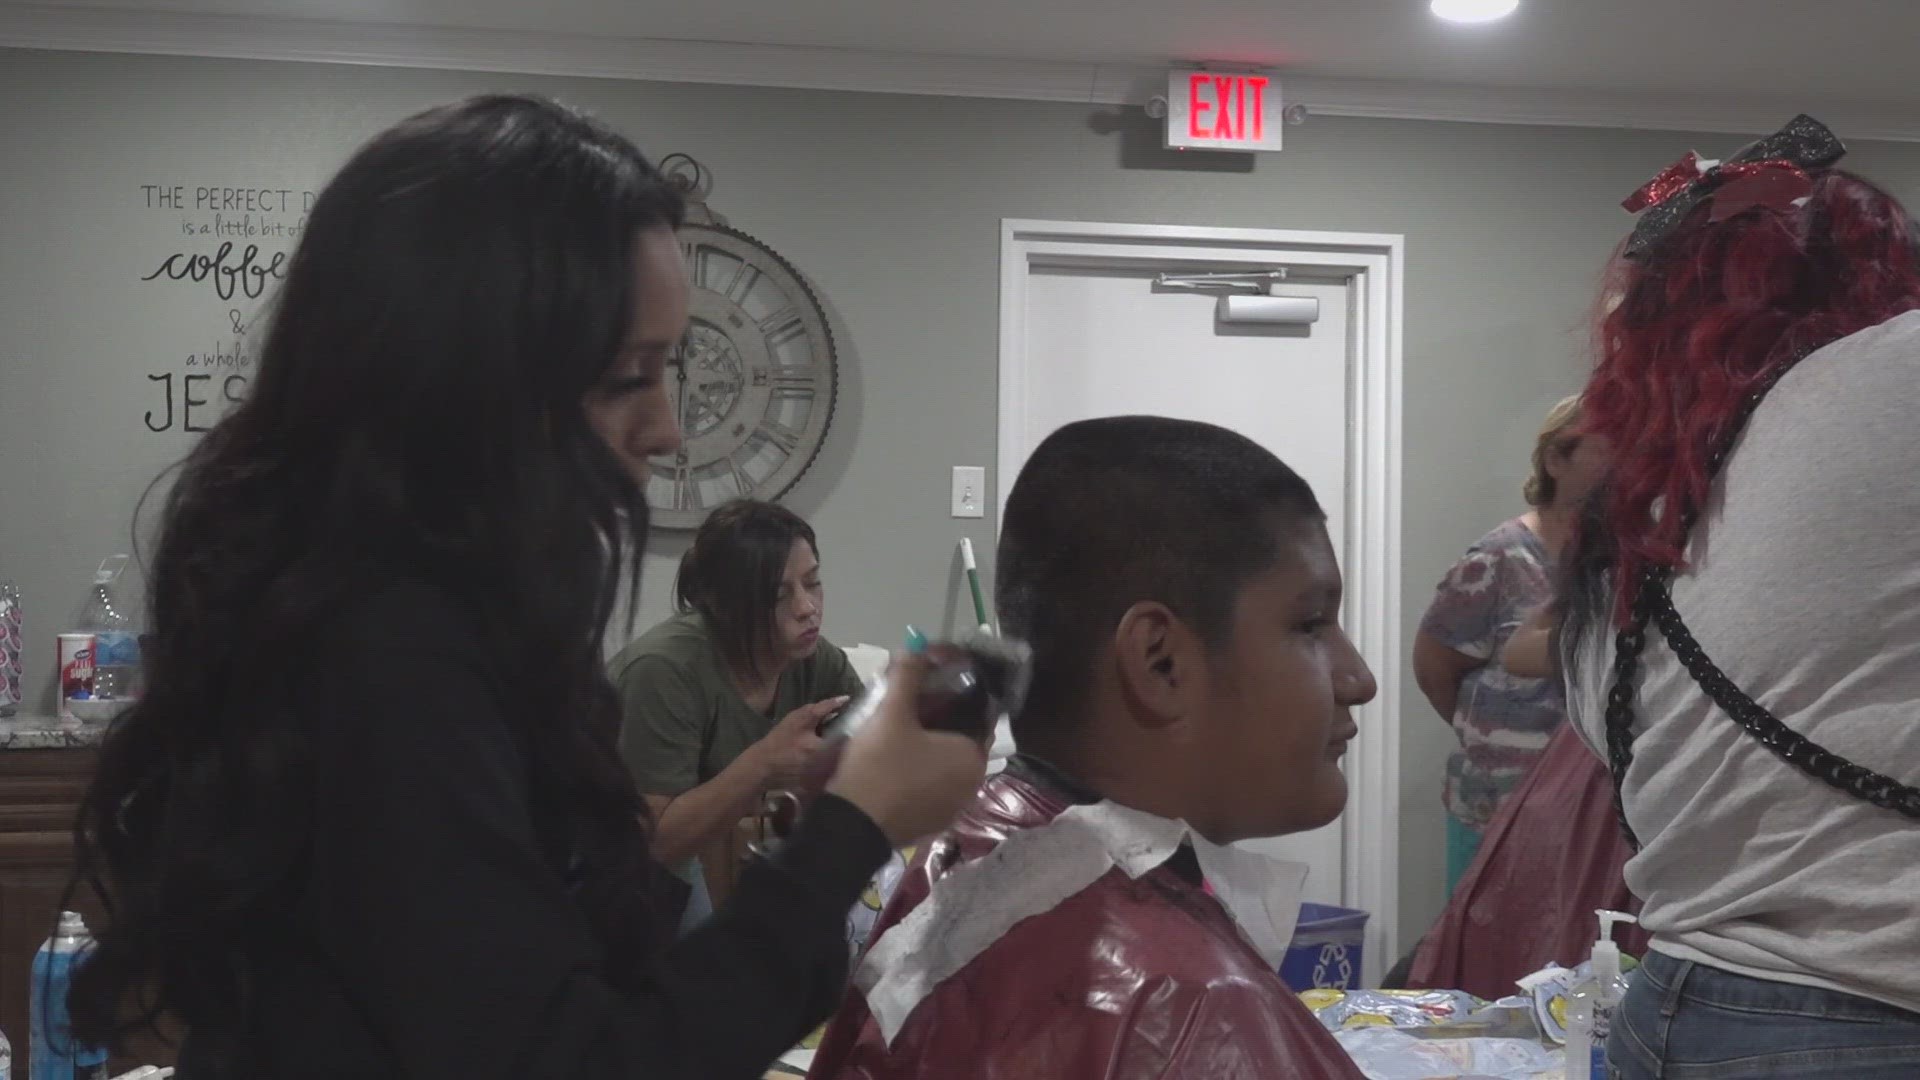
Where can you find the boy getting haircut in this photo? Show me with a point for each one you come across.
(1191, 687)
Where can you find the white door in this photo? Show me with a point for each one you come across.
(1086, 332)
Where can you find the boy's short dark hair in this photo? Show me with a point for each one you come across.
(1111, 512)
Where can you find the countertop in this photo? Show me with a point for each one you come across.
(25, 732)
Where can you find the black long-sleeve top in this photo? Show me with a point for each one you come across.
(426, 936)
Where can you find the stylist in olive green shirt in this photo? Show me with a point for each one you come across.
(723, 701)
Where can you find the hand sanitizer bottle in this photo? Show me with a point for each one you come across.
(1591, 1008)
(53, 1053)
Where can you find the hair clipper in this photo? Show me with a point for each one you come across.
(969, 686)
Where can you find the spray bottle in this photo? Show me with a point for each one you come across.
(53, 1053)
(1591, 1009)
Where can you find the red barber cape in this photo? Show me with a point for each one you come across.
(1125, 980)
(1553, 854)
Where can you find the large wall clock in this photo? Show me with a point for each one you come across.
(753, 382)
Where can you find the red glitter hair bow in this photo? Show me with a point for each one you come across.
(1773, 173)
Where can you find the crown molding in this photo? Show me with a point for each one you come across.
(249, 37)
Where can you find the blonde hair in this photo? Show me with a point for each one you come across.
(1556, 436)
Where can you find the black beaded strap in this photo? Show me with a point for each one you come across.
(1654, 603)
(1627, 646)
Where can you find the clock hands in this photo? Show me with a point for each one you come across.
(680, 386)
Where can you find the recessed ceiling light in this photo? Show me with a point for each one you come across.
(1474, 11)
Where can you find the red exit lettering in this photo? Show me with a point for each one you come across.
(1226, 108)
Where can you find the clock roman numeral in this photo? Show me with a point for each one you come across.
(744, 279)
(740, 478)
(780, 435)
(792, 382)
(782, 326)
(696, 266)
(686, 493)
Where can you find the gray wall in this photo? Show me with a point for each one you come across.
(892, 205)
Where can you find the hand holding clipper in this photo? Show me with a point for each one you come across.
(913, 750)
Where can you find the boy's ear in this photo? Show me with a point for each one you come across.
(1157, 659)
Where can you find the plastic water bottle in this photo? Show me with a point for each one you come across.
(116, 640)
(52, 1052)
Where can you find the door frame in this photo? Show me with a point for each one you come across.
(1374, 265)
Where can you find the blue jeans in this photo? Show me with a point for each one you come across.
(699, 901)
(1684, 1021)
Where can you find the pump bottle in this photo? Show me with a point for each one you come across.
(1591, 1009)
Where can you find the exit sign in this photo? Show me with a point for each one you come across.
(1223, 110)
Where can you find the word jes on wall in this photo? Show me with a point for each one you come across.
(232, 247)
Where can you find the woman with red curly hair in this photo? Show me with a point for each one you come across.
(1741, 628)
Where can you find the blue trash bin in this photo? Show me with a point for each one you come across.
(1325, 953)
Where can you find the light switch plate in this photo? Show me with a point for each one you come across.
(969, 491)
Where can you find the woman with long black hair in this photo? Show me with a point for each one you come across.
(370, 819)
(1742, 619)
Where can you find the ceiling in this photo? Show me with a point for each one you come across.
(1716, 64)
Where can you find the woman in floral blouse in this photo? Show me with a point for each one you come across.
(1504, 721)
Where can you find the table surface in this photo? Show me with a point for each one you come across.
(26, 731)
